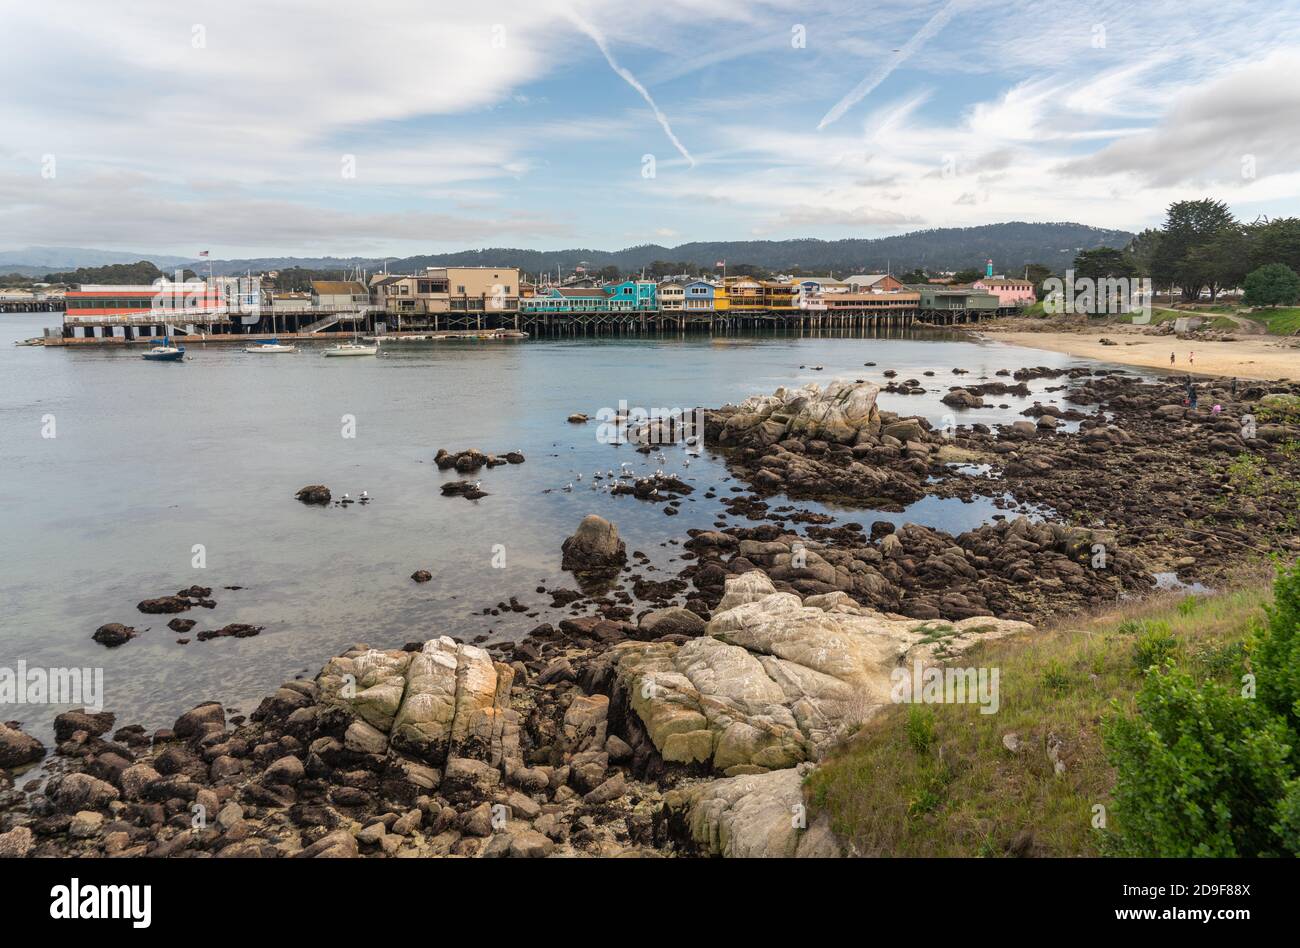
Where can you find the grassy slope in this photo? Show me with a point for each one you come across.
(1283, 321)
(936, 780)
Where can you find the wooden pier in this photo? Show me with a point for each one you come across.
(10, 305)
(731, 323)
(312, 326)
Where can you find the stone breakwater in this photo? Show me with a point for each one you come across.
(668, 736)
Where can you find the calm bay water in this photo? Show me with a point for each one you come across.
(151, 459)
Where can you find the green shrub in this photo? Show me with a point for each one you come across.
(1274, 284)
(1220, 660)
(1055, 678)
(1276, 651)
(1154, 646)
(920, 727)
(1200, 771)
(1203, 768)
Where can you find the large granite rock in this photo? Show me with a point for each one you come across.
(837, 413)
(446, 700)
(754, 816)
(775, 680)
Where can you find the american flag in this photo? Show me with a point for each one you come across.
(203, 253)
(721, 263)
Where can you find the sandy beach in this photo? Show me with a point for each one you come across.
(1249, 357)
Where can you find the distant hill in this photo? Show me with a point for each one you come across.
(1011, 246)
(36, 261)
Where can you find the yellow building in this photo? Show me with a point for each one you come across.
(745, 294)
(721, 302)
(780, 297)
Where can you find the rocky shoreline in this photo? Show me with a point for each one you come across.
(686, 728)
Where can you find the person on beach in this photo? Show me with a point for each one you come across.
(1191, 358)
(1171, 358)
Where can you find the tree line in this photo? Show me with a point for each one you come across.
(1202, 248)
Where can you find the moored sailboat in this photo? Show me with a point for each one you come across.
(165, 353)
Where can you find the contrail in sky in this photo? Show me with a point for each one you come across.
(904, 53)
(599, 39)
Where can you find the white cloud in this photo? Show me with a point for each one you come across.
(1243, 118)
(463, 132)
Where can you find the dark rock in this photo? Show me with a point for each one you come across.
(94, 724)
(594, 548)
(18, 748)
(113, 634)
(164, 604)
(314, 494)
(237, 630)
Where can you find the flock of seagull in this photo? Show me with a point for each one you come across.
(607, 480)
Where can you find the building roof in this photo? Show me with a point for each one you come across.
(1003, 281)
(579, 292)
(337, 288)
(866, 279)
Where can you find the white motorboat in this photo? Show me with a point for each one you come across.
(271, 345)
(351, 349)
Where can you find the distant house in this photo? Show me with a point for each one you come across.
(632, 294)
(382, 285)
(873, 283)
(566, 299)
(823, 284)
(338, 293)
(953, 298)
(699, 296)
(671, 295)
(744, 293)
(290, 302)
(1008, 292)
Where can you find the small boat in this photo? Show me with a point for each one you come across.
(271, 345)
(165, 353)
(351, 349)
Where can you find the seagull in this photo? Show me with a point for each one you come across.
(478, 485)
(346, 497)
(364, 495)
(579, 477)
(687, 462)
(569, 486)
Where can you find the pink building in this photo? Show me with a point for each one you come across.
(1008, 292)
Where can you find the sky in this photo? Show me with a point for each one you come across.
(394, 128)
